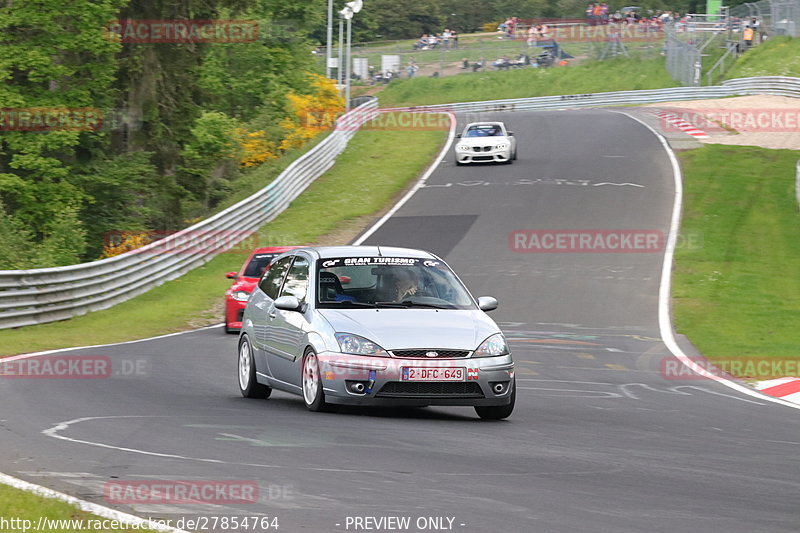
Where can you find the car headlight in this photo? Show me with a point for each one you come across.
(356, 345)
(240, 296)
(492, 347)
(463, 147)
(502, 146)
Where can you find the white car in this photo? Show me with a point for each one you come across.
(484, 142)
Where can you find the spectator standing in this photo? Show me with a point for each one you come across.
(532, 34)
(412, 68)
(747, 36)
(597, 14)
(446, 37)
(454, 37)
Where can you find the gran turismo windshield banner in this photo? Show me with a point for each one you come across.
(380, 261)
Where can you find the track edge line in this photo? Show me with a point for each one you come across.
(83, 505)
(664, 291)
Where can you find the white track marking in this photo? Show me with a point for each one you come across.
(48, 352)
(417, 186)
(95, 509)
(664, 291)
(99, 510)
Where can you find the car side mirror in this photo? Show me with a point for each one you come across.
(288, 303)
(458, 135)
(510, 133)
(231, 275)
(487, 303)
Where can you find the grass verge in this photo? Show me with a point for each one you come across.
(17, 507)
(778, 56)
(737, 295)
(375, 167)
(622, 74)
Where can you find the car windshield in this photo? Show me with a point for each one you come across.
(391, 282)
(257, 265)
(484, 130)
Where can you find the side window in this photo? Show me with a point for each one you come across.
(271, 282)
(296, 283)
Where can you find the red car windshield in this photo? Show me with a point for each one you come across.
(257, 265)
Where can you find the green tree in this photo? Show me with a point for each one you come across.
(64, 240)
(16, 244)
(55, 55)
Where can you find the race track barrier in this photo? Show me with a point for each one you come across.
(48, 294)
(44, 295)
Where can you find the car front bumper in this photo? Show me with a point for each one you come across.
(234, 310)
(382, 379)
(498, 156)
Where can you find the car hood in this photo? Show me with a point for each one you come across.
(244, 284)
(396, 329)
(483, 141)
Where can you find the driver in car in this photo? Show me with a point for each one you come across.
(406, 284)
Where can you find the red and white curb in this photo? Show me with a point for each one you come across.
(677, 122)
(785, 388)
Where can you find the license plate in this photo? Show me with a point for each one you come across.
(411, 373)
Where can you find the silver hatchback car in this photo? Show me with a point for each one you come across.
(370, 325)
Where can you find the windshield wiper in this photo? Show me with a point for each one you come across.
(405, 304)
(350, 303)
(409, 303)
(398, 305)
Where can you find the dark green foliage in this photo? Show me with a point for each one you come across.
(145, 168)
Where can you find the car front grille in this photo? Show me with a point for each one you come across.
(430, 389)
(423, 354)
(482, 148)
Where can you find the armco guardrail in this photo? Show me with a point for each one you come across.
(762, 85)
(48, 294)
(44, 295)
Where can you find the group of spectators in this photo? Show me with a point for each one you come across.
(597, 14)
(447, 39)
(546, 59)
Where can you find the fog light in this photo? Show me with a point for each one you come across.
(499, 387)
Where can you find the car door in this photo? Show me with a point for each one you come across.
(287, 328)
(262, 305)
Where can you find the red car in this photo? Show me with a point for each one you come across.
(236, 296)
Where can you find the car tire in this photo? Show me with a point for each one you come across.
(311, 383)
(459, 164)
(515, 155)
(498, 412)
(248, 384)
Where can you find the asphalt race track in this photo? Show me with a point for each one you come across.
(600, 441)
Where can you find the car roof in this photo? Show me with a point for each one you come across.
(326, 252)
(484, 124)
(274, 250)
